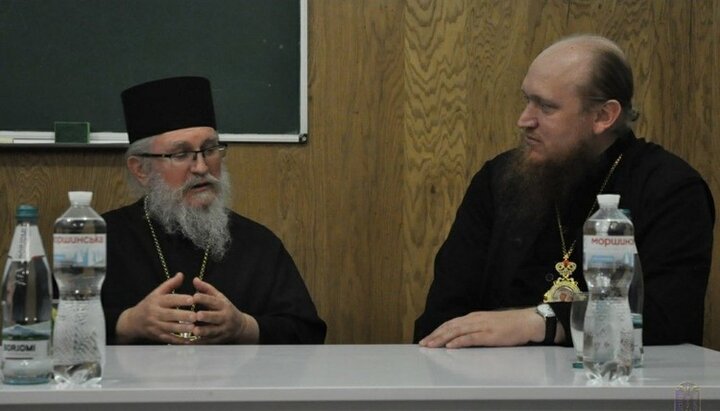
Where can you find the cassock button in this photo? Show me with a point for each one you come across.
(517, 242)
(549, 277)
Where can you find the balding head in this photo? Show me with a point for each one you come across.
(589, 42)
(601, 69)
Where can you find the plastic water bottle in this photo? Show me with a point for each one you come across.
(26, 305)
(608, 266)
(636, 297)
(79, 260)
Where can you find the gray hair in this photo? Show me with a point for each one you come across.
(134, 150)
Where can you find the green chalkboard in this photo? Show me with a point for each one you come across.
(68, 60)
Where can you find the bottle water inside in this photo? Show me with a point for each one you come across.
(608, 267)
(26, 305)
(636, 297)
(79, 259)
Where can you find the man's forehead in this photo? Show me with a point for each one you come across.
(187, 137)
(568, 60)
(553, 74)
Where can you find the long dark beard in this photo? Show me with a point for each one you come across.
(207, 227)
(530, 190)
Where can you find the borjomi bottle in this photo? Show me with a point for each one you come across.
(26, 305)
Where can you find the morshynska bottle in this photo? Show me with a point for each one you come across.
(26, 305)
(79, 261)
(608, 266)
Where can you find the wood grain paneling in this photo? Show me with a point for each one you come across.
(436, 118)
(407, 99)
(356, 138)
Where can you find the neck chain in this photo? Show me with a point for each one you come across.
(201, 273)
(564, 286)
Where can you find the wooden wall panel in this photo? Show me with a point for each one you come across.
(407, 99)
(356, 139)
(437, 71)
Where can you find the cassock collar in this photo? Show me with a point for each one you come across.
(608, 157)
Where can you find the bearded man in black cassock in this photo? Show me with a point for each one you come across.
(514, 254)
(182, 267)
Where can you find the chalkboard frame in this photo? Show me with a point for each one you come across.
(102, 139)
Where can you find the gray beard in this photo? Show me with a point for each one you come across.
(207, 227)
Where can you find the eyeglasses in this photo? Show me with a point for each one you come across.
(189, 156)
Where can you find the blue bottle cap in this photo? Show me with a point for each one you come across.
(26, 212)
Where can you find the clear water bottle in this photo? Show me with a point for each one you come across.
(26, 305)
(608, 266)
(636, 297)
(79, 261)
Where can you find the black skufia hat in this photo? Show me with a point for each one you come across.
(159, 106)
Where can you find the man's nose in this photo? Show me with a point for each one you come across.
(199, 165)
(527, 119)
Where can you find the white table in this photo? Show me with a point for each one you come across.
(355, 377)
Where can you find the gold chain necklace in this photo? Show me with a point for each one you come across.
(564, 286)
(200, 275)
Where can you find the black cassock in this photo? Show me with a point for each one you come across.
(256, 274)
(486, 265)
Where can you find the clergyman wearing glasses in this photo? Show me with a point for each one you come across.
(182, 267)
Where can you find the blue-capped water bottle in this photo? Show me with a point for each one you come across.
(26, 305)
(608, 266)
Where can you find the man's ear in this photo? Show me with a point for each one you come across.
(135, 165)
(607, 115)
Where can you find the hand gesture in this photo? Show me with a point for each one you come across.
(220, 321)
(157, 316)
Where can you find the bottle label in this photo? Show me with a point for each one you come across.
(25, 349)
(22, 247)
(79, 250)
(613, 245)
(602, 250)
